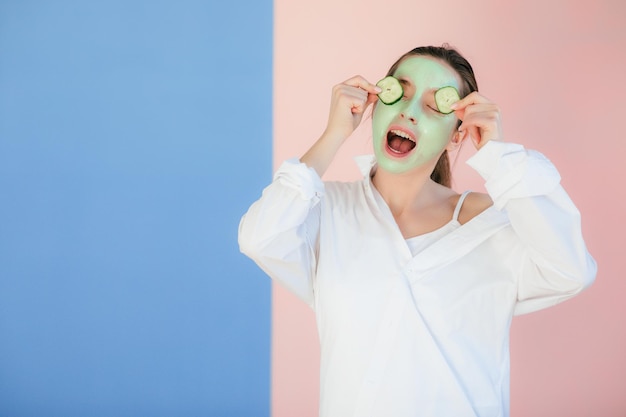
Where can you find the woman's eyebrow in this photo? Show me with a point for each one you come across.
(403, 81)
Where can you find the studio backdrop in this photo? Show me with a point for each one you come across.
(135, 134)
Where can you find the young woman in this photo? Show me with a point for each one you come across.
(413, 285)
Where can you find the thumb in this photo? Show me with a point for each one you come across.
(371, 99)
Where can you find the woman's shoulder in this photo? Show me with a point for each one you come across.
(474, 204)
(345, 189)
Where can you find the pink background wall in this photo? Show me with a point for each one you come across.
(558, 73)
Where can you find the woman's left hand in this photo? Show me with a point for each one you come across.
(480, 117)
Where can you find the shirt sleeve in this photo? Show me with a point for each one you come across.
(556, 264)
(280, 231)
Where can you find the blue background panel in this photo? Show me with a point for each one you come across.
(133, 136)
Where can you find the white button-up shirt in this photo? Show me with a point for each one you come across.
(423, 335)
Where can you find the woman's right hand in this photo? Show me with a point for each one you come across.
(349, 101)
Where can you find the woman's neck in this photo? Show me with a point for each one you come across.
(408, 191)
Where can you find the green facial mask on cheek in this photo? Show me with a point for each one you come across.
(431, 129)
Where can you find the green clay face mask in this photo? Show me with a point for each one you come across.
(412, 132)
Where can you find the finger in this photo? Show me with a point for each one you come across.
(360, 103)
(360, 82)
(471, 132)
(474, 123)
(371, 99)
(475, 135)
(472, 98)
(482, 119)
(350, 90)
(482, 127)
(487, 111)
(464, 113)
(348, 96)
(361, 106)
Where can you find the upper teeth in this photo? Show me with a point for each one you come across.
(402, 134)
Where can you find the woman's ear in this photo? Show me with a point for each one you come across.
(457, 139)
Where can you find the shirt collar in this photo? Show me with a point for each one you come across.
(366, 164)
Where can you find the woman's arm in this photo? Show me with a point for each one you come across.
(349, 101)
(526, 185)
(557, 264)
(280, 230)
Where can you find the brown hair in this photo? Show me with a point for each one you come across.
(442, 174)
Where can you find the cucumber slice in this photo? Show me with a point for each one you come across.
(392, 90)
(445, 97)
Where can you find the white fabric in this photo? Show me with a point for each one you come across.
(418, 243)
(424, 335)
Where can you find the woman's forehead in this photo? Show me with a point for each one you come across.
(428, 72)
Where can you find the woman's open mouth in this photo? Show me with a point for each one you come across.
(399, 142)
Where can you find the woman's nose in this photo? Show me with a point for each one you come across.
(410, 118)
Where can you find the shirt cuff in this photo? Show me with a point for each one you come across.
(296, 175)
(510, 171)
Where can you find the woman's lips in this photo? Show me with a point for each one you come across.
(400, 142)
